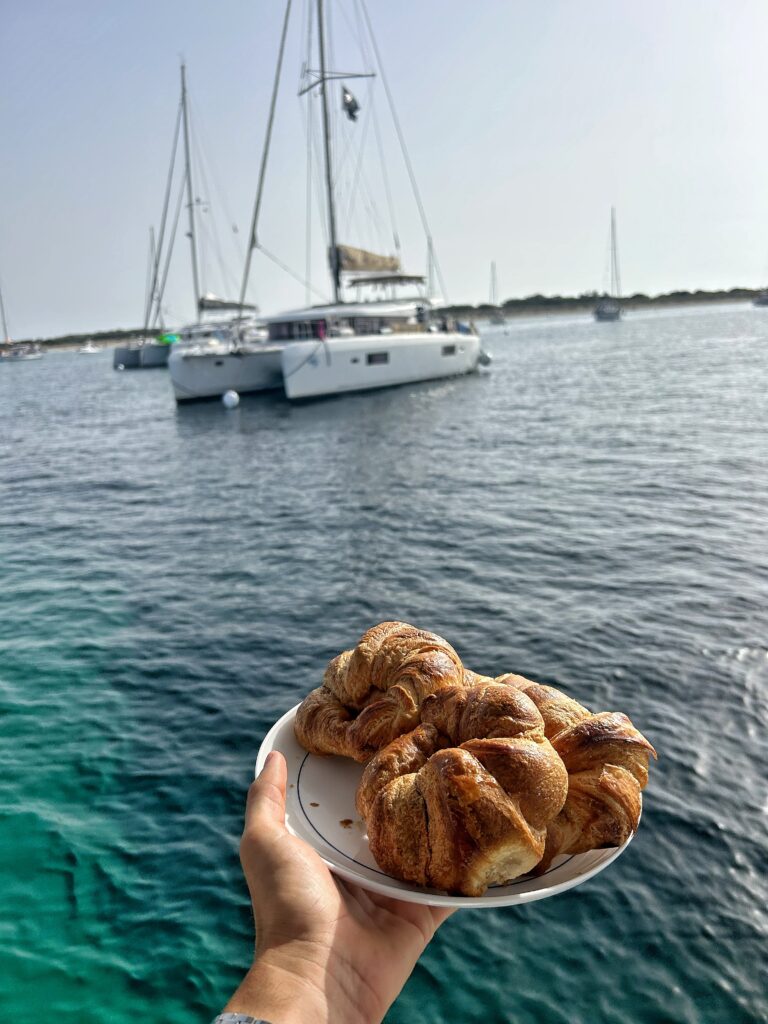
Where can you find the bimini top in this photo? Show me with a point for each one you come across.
(397, 309)
(385, 279)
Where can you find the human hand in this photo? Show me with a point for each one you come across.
(326, 951)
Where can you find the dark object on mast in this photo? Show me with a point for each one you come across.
(349, 103)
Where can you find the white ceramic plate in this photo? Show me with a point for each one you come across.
(320, 809)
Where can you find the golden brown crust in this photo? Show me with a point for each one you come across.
(480, 807)
(374, 692)
(471, 780)
(607, 761)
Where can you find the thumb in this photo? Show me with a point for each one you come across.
(265, 807)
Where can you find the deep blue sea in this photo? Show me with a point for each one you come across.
(593, 513)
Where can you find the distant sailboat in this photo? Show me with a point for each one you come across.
(497, 315)
(16, 352)
(6, 335)
(609, 306)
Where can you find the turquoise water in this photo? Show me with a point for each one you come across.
(591, 514)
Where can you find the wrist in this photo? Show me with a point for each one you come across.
(281, 992)
(291, 985)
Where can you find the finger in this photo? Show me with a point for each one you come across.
(265, 806)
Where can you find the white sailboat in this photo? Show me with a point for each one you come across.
(88, 349)
(205, 338)
(497, 315)
(608, 307)
(371, 335)
(16, 351)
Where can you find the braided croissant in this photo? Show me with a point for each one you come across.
(468, 782)
(373, 694)
(464, 800)
(607, 762)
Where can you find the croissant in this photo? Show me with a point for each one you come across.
(463, 801)
(607, 762)
(372, 694)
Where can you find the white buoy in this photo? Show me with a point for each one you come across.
(231, 399)
(119, 366)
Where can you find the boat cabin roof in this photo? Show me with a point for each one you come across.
(396, 310)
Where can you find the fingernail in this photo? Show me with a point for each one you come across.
(267, 761)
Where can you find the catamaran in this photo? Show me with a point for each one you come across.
(609, 306)
(378, 330)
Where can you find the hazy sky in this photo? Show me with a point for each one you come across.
(525, 121)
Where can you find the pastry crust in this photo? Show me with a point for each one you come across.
(607, 761)
(462, 802)
(372, 694)
(471, 781)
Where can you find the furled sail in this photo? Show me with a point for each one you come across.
(213, 302)
(351, 259)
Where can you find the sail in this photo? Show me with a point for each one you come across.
(213, 302)
(352, 259)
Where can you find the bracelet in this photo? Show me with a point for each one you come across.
(238, 1018)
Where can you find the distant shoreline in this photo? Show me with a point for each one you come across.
(533, 305)
(543, 304)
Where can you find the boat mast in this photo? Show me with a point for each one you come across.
(6, 335)
(190, 200)
(253, 238)
(333, 254)
(494, 302)
(615, 283)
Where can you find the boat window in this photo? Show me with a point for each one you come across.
(449, 350)
(280, 331)
(375, 358)
(302, 329)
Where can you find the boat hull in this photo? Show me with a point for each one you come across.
(607, 315)
(140, 357)
(359, 363)
(197, 375)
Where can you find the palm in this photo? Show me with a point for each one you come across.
(367, 939)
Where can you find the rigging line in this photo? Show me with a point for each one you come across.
(163, 219)
(385, 176)
(210, 224)
(149, 284)
(169, 253)
(297, 277)
(208, 164)
(356, 174)
(374, 218)
(6, 335)
(308, 4)
(361, 40)
(313, 135)
(262, 170)
(403, 147)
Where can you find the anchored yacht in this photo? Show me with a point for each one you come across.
(372, 334)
